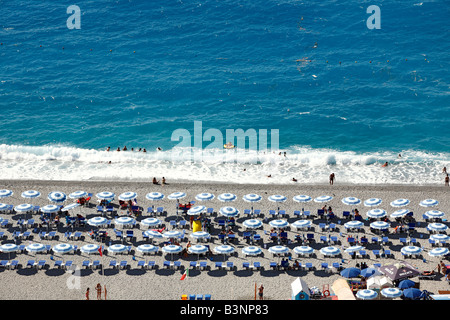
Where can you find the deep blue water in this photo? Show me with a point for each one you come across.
(138, 70)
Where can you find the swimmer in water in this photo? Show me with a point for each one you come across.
(385, 164)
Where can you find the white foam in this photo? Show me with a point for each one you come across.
(307, 165)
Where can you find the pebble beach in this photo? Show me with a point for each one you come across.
(135, 283)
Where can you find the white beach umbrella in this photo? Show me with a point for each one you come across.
(151, 222)
(438, 252)
(90, 248)
(366, 294)
(24, 207)
(78, 194)
(279, 250)
(50, 208)
(198, 249)
(97, 221)
(227, 197)
(399, 213)
(251, 197)
(200, 235)
(353, 224)
(57, 196)
(147, 248)
(152, 234)
(4, 193)
(373, 202)
(302, 198)
(196, 210)
(410, 250)
(224, 249)
(303, 250)
(330, 251)
(351, 201)
(117, 248)
(124, 221)
(440, 237)
(376, 213)
(154, 196)
(300, 224)
(277, 198)
(8, 248)
(381, 225)
(176, 195)
(437, 227)
(400, 203)
(172, 249)
(391, 292)
(323, 199)
(229, 211)
(172, 234)
(429, 203)
(30, 194)
(35, 247)
(434, 214)
(3, 207)
(105, 195)
(127, 196)
(206, 196)
(63, 248)
(252, 223)
(279, 223)
(251, 251)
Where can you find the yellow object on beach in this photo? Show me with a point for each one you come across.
(196, 226)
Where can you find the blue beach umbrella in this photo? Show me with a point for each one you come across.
(432, 214)
(429, 203)
(196, 210)
(226, 197)
(302, 198)
(300, 224)
(350, 272)
(57, 196)
(277, 198)
(154, 196)
(412, 293)
(151, 222)
(206, 196)
(400, 203)
(407, 250)
(97, 221)
(279, 223)
(147, 248)
(4, 193)
(405, 284)
(351, 201)
(438, 252)
(437, 227)
(31, 194)
(25, 207)
(176, 195)
(303, 250)
(63, 248)
(252, 197)
(117, 248)
(391, 292)
(50, 208)
(90, 248)
(78, 194)
(105, 195)
(330, 251)
(440, 237)
(367, 272)
(322, 199)
(229, 211)
(373, 202)
(366, 294)
(376, 213)
(127, 196)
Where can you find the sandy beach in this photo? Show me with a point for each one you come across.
(163, 284)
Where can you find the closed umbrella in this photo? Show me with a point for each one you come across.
(353, 249)
(71, 206)
(373, 202)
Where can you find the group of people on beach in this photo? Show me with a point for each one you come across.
(126, 149)
(98, 288)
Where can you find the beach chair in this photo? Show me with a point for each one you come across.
(323, 239)
(246, 265)
(123, 264)
(159, 210)
(192, 297)
(346, 214)
(218, 265)
(334, 239)
(257, 212)
(199, 297)
(351, 241)
(3, 235)
(31, 263)
(307, 214)
(364, 241)
(221, 223)
(193, 264)
(113, 264)
(256, 237)
(310, 237)
(387, 253)
(130, 235)
(362, 253)
(3, 263)
(283, 214)
(247, 212)
(385, 240)
(166, 264)
(332, 227)
(176, 265)
(86, 264)
(376, 253)
(207, 297)
(5, 223)
(230, 265)
(76, 235)
(58, 264)
(151, 264)
(246, 235)
(141, 264)
(297, 213)
(273, 265)
(14, 264)
(203, 265)
(182, 223)
(95, 264)
(325, 267)
(320, 213)
(309, 266)
(210, 211)
(337, 266)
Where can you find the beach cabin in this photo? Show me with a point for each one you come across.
(300, 290)
(379, 283)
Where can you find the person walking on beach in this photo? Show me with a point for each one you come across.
(87, 294)
(105, 291)
(261, 292)
(99, 291)
(332, 178)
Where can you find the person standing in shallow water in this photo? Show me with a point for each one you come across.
(332, 178)
(447, 180)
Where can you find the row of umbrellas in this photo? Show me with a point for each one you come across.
(57, 196)
(369, 294)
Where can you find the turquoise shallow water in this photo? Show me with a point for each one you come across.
(340, 94)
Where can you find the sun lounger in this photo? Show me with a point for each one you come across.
(14, 264)
(166, 264)
(273, 265)
(192, 297)
(427, 275)
(207, 297)
(113, 264)
(3, 263)
(246, 265)
(95, 264)
(203, 265)
(123, 264)
(218, 265)
(41, 264)
(309, 266)
(151, 265)
(31, 263)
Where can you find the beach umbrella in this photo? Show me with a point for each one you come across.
(366, 294)
(380, 225)
(376, 213)
(196, 210)
(322, 199)
(440, 237)
(252, 223)
(368, 272)
(399, 213)
(300, 224)
(251, 251)
(24, 207)
(405, 284)
(63, 248)
(252, 197)
(353, 224)
(105, 195)
(408, 250)
(172, 249)
(429, 203)
(117, 248)
(302, 198)
(57, 196)
(224, 249)
(71, 206)
(303, 250)
(176, 195)
(354, 249)
(172, 234)
(330, 251)
(97, 221)
(204, 196)
(90, 248)
(147, 248)
(8, 248)
(78, 194)
(229, 211)
(5, 193)
(124, 221)
(412, 293)
(433, 214)
(127, 196)
(437, 227)
(399, 270)
(153, 234)
(31, 194)
(200, 235)
(350, 272)
(150, 222)
(400, 203)
(351, 201)
(279, 223)
(279, 250)
(226, 197)
(373, 202)
(438, 252)
(3, 207)
(154, 196)
(391, 292)
(50, 208)
(198, 249)
(277, 198)
(35, 247)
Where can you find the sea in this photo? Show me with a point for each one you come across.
(311, 88)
